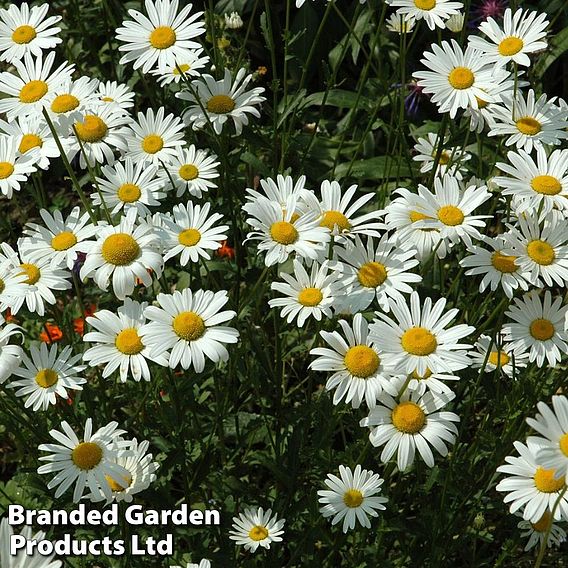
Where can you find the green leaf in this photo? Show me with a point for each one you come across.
(557, 46)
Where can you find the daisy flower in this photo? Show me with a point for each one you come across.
(541, 251)
(522, 34)
(191, 170)
(47, 374)
(433, 12)
(41, 279)
(10, 355)
(87, 463)
(21, 559)
(307, 295)
(255, 528)
(449, 210)
(69, 102)
(118, 342)
(352, 497)
(25, 30)
(15, 167)
(61, 240)
(430, 382)
(501, 356)
(101, 132)
(222, 100)
(28, 91)
(116, 95)
(12, 282)
(535, 186)
(552, 423)
(537, 327)
(456, 79)
(378, 270)
(531, 486)
(161, 38)
(190, 67)
(451, 158)
(203, 564)
(415, 422)
(498, 269)
(529, 123)
(536, 532)
(403, 216)
(154, 138)
(337, 213)
(358, 371)
(136, 460)
(282, 231)
(186, 326)
(400, 24)
(126, 252)
(33, 137)
(416, 339)
(126, 186)
(191, 232)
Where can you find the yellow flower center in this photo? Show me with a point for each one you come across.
(547, 185)
(6, 170)
(444, 158)
(92, 129)
(543, 523)
(188, 172)
(498, 358)
(283, 232)
(425, 4)
(46, 378)
(87, 455)
(118, 487)
(220, 104)
(528, 126)
(33, 91)
(120, 249)
(30, 141)
(331, 219)
(2, 286)
(418, 341)
(541, 329)
(128, 341)
(189, 326)
(450, 215)
(504, 263)
(541, 252)
(63, 241)
(362, 361)
(408, 417)
(564, 444)
(184, 67)
(189, 237)
(353, 498)
(258, 533)
(372, 274)
(128, 193)
(64, 103)
(310, 297)
(31, 271)
(162, 37)
(107, 100)
(510, 46)
(417, 216)
(152, 143)
(545, 482)
(461, 78)
(23, 34)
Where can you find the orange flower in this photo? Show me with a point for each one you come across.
(9, 317)
(79, 326)
(90, 309)
(51, 333)
(226, 250)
